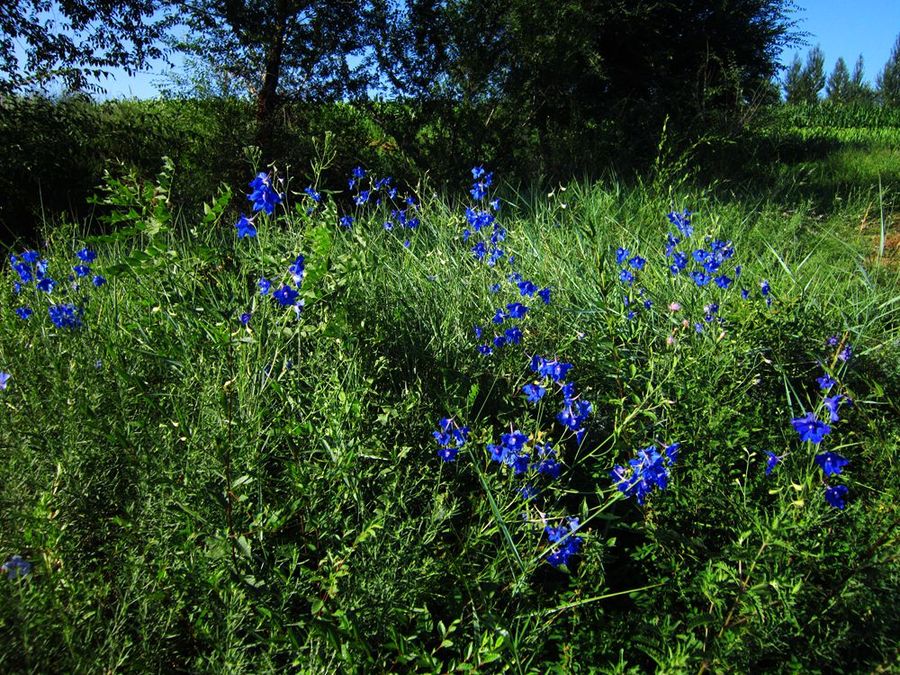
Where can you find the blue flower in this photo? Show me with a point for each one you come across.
(832, 404)
(835, 495)
(86, 256)
(831, 462)
(346, 221)
(745, 293)
(297, 270)
(15, 568)
(649, 469)
(245, 318)
(46, 285)
(516, 310)
(4, 379)
(568, 545)
(286, 296)
(245, 227)
(764, 288)
(626, 277)
(846, 353)
(771, 461)
(544, 294)
(826, 382)
(66, 316)
(24, 312)
(535, 392)
(810, 428)
(263, 197)
(31, 257)
(682, 221)
(98, 280)
(723, 281)
(700, 278)
(81, 270)
(622, 254)
(264, 285)
(315, 196)
(513, 335)
(450, 438)
(637, 262)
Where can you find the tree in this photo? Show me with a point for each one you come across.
(75, 41)
(793, 81)
(837, 89)
(859, 90)
(300, 49)
(887, 84)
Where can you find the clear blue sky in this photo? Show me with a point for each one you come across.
(848, 29)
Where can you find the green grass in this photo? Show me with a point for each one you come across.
(196, 495)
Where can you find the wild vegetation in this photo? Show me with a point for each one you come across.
(473, 378)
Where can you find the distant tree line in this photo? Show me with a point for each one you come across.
(804, 82)
(553, 73)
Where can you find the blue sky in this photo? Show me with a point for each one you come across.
(848, 29)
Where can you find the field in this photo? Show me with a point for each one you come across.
(598, 427)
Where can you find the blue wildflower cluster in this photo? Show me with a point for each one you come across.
(648, 470)
(575, 410)
(32, 273)
(482, 226)
(288, 295)
(4, 380)
(566, 543)
(263, 197)
(812, 429)
(402, 209)
(629, 268)
(451, 438)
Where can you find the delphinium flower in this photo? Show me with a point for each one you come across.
(286, 296)
(845, 354)
(481, 221)
(264, 197)
(682, 221)
(546, 463)
(450, 437)
(66, 316)
(648, 470)
(567, 544)
(15, 568)
(4, 380)
(575, 410)
(826, 382)
(832, 403)
(245, 318)
(98, 280)
(24, 312)
(831, 463)
(245, 227)
(264, 286)
(811, 428)
(772, 461)
(511, 451)
(835, 495)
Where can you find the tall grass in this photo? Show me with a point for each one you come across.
(199, 495)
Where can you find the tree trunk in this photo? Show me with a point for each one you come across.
(267, 99)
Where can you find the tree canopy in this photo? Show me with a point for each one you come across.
(74, 42)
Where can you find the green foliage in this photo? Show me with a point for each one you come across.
(199, 495)
(887, 83)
